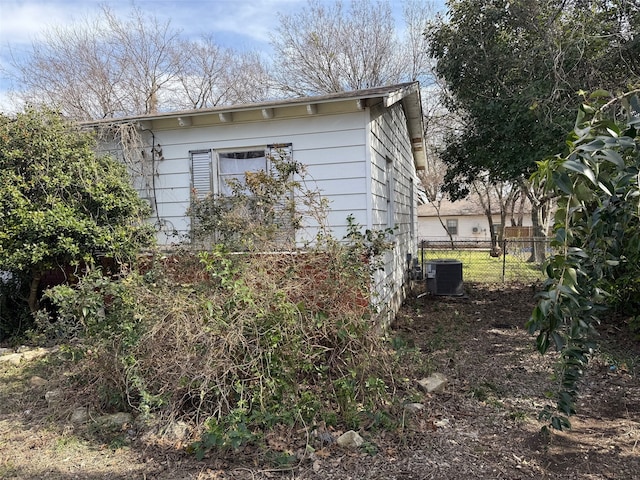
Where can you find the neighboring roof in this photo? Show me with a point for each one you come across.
(463, 207)
(459, 208)
(407, 93)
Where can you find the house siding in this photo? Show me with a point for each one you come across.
(332, 148)
(430, 228)
(350, 143)
(390, 141)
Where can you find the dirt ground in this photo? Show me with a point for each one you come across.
(483, 426)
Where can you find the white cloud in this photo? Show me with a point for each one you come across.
(242, 24)
(24, 21)
(253, 19)
(245, 23)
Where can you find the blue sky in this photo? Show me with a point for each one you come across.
(243, 24)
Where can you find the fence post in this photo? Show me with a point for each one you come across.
(422, 242)
(504, 258)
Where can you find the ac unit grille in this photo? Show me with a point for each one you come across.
(444, 277)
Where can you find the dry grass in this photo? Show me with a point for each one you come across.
(483, 426)
(244, 341)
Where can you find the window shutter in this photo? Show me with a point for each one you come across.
(283, 212)
(281, 150)
(201, 178)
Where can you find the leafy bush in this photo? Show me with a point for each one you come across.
(61, 204)
(263, 212)
(597, 234)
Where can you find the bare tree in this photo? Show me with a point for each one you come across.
(70, 70)
(145, 57)
(439, 122)
(432, 177)
(112, 67)
(417, 63)
(212, 75)
(495, 197)
(202, 71)
(328, 48)
(249, 78)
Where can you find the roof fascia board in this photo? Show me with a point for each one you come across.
(389, 95)
(400, 94)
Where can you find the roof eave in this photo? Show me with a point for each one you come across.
(412, 104)
(407, 93)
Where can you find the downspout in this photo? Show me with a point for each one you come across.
(366, 113)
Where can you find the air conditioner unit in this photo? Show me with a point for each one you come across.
(444, 277)
(475, 229)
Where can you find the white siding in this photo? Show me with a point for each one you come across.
(390, 141)
(332, 148)
(345, 154)
(430, 228)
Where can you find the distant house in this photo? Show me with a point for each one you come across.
(362, 149)
(464, 220)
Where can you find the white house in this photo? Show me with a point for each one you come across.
(464, 219)
(362, 149)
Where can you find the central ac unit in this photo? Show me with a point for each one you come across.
(444, 277)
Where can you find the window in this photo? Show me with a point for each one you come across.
(233, 166)
(265, 209)
(452, 226)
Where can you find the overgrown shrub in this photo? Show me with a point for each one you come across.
(237, 341)
(234, 343)
(266, 211)
(61, 206)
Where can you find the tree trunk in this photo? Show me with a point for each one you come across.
(537, 243)
(436, 205)
(33, 292)
(523, 199)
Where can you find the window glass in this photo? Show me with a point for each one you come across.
(452, 226)
(233, 165)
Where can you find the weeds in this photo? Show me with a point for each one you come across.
(237, 343)
(234, 344)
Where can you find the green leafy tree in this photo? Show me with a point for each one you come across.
(61, 204)
(512, 70)
(597, 234)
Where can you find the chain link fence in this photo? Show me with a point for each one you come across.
(514, 260)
